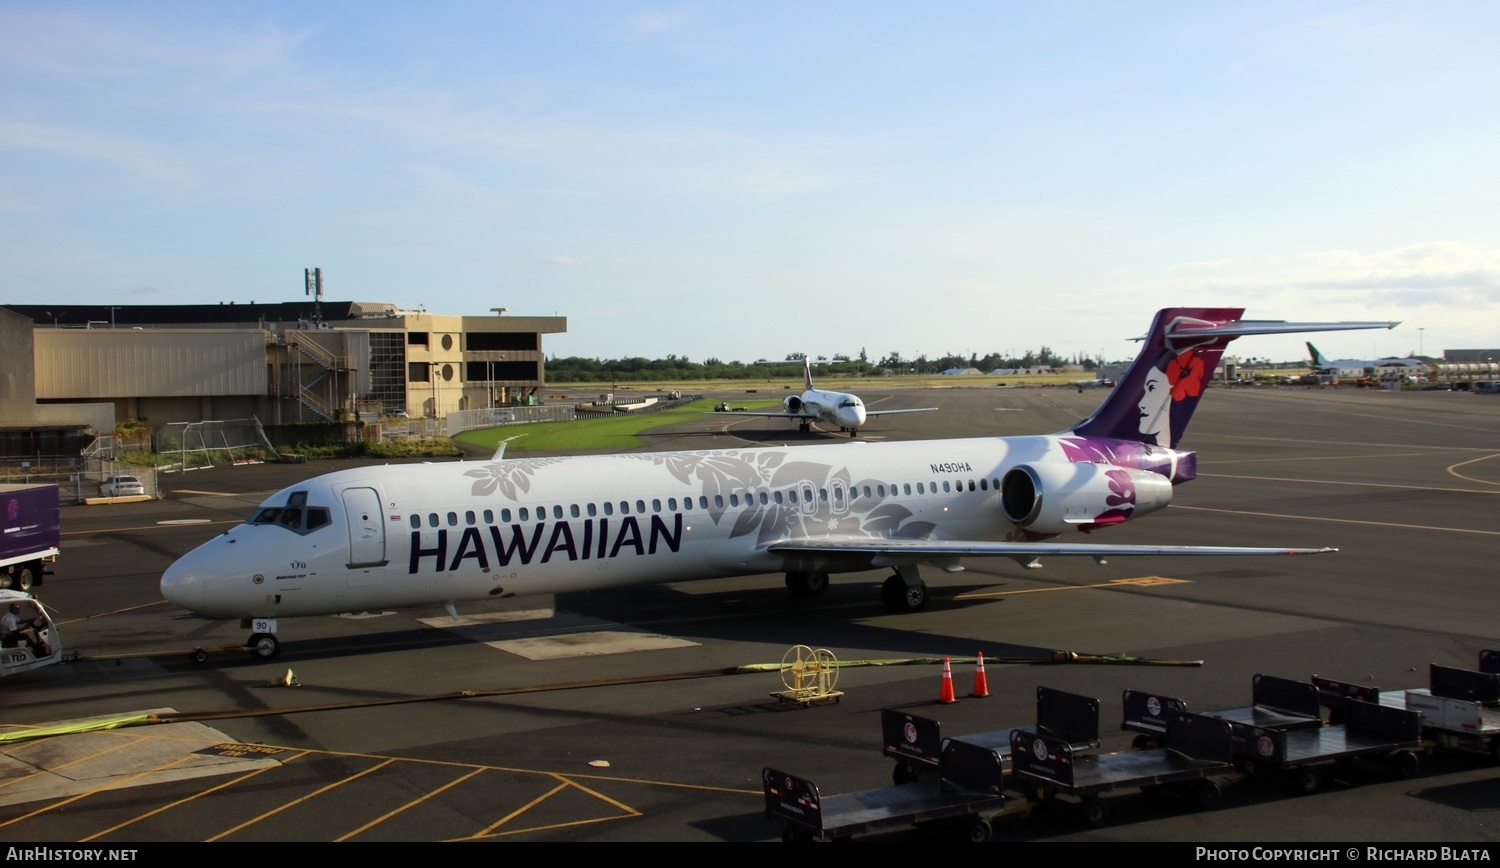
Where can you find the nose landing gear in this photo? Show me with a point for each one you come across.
(263, 646)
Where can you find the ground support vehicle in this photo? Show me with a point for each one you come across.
(1197, 750)
(965, 797)
(20, 657)
(916, 742)
(30, 532)
(1460, 708)
(1305, 756)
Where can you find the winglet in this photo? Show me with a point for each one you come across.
(807, 372)
(499, 451)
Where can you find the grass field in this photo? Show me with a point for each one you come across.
(623, 431)
(606, 433)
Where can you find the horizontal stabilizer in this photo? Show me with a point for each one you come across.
(1243, 328)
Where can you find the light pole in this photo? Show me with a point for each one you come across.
(489, 367)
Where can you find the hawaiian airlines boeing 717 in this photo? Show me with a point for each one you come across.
(408, 535)
(841, 409)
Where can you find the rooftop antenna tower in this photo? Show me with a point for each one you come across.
(313, 278)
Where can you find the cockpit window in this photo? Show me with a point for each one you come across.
(296, 516)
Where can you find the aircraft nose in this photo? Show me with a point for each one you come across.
(185, 582)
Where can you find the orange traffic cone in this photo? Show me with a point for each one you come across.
(946, 695)
(981, 684)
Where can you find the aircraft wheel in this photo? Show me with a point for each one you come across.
(807, 584)
(263, 646)
(200, 656)
(4, 581)
(26, 577)
(901, 597)
(1309, 780)
(979, 831)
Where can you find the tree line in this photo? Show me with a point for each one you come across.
(576, 369)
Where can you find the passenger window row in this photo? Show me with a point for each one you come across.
(791, 496)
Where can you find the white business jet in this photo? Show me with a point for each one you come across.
(409, 535)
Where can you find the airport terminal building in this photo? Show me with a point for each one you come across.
(73, 371)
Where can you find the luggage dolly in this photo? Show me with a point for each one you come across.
(1460, 708)
(916, 742)
(1306, 755)
(1196, 750)
(966, 797)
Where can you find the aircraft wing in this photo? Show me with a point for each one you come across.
(869, 413)
(891, 551)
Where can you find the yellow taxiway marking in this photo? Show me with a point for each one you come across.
(149, 527)
(105, 614)
(300, 799)
(211, 790)
(1139, 582)
(412, 804)
(564, 783)
(1401, 524)
(117, 784)
(83, 759)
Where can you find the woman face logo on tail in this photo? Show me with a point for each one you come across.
(1155, 400)
(1181, 377)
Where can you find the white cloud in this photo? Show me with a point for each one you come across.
(141, 159)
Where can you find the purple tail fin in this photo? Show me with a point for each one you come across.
(1157, 396)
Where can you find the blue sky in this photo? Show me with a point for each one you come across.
(748, 180)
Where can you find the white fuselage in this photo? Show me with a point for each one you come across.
(834, 408)
(411, 534)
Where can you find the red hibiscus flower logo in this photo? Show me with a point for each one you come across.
(1186, 374)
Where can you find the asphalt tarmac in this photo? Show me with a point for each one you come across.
(627, 716)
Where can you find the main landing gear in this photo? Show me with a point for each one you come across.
(903, 592)
(807, 584)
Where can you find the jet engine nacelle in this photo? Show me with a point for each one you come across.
(792, 404)
(1054, 497)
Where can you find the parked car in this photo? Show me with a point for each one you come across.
(121, 486)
